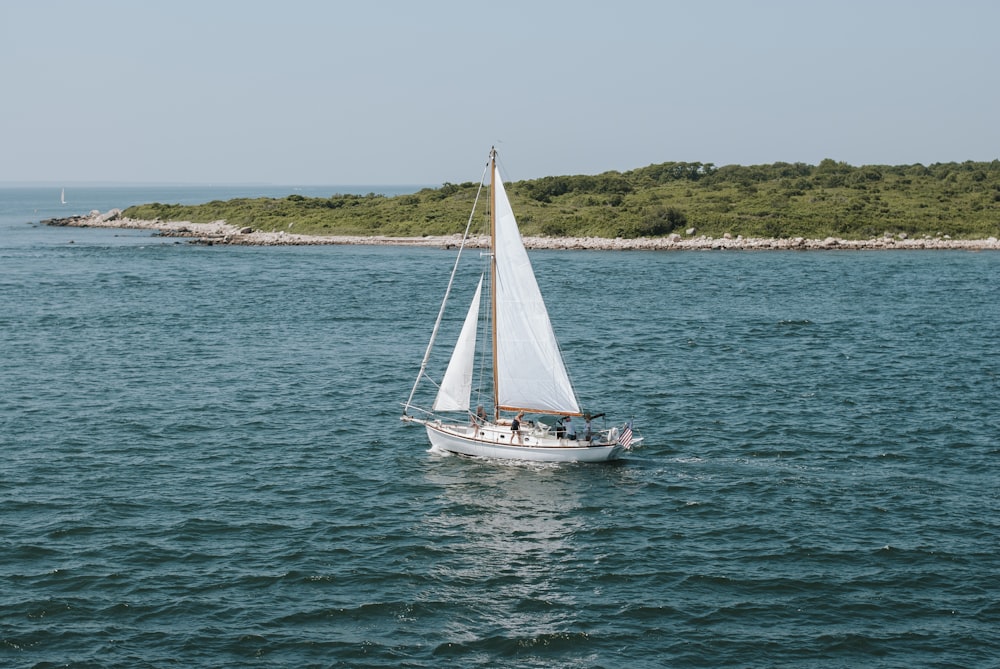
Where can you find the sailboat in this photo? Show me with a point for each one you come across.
(62, 196)
(532, 400)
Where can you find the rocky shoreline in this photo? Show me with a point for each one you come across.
(220, 232)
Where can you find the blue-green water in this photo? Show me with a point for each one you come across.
(203, 464)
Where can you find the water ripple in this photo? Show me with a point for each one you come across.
(204, 465)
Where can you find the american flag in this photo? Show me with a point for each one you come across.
(626, 439)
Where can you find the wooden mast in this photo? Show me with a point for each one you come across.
(493, 279)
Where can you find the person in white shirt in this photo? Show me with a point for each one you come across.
(570, 430)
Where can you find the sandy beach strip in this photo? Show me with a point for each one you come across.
(220, 232)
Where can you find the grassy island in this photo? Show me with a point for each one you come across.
(783, 200)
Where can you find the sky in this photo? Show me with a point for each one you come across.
(405, 92)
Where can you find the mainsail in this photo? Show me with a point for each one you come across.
(530, 372)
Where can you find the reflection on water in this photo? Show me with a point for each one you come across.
(506, 528)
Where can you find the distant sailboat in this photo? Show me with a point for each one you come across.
(527, 373)
(62, 197)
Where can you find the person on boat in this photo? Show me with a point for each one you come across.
(570, 430)
(477, 420)
(588, 433)
(515, 428)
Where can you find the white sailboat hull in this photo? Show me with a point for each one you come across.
(495, 441)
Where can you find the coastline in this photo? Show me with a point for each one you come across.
(220, 232)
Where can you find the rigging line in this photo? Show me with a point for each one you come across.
(447, 293)
(485, 324)
(562, 358)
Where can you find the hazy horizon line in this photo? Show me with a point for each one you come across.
(190, 184)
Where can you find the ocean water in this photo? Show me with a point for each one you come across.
(203, 463)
